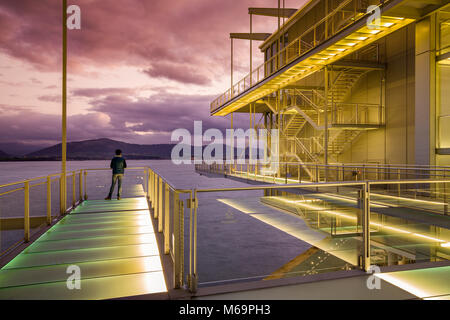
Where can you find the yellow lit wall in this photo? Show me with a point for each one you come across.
(395, 142)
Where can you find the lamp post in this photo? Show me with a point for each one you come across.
(64, 107)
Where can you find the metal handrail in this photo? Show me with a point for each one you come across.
(168, 209)
(281, 59)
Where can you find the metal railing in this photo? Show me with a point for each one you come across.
(363, 223)
(169, 206)
(345, 14)
(295, 172)
(28, 222)
(357, 114)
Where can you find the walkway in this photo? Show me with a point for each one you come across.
(112, 242)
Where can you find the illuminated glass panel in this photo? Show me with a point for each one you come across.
(443, 92)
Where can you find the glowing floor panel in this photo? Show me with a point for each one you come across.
(430, 283)
(113, 244)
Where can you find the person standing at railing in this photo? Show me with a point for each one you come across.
(118, 165)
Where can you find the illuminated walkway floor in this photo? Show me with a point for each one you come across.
(112, 242)
(427, 283)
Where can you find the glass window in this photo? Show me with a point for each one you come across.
(444, 37)
(444, 103)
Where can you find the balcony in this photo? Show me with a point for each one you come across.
(343, 31)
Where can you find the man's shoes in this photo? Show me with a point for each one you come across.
(118, 198)
(108, 198)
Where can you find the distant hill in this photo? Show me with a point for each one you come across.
(18, 149)
(103, 149)
(100, 149)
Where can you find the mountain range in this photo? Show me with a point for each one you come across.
(101, 149)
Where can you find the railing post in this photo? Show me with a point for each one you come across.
(178, 235)
(61, 197)
(153, 190)
(160, 205)
(166, 219)
(285, 173)
(80, 185)
(26, 217)
(73, 190)
(148, 184)
(195, 241)
(156, 206)
(193, 278)
(366, 226)
(85, 185)
(49, 200)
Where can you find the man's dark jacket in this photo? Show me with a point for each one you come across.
(118, 164)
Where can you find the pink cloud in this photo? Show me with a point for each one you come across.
(163, 35)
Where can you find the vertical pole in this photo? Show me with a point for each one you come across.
(61, 197)
(64, 105)
(231, 66)
(232, 145)
(326, 20)
(366, 227)
(195, 242)
(160, 206)
(178, 230)
(85, 185)
(26, 217)
(80, 185)
(148, 184)
(266, 146)
(251, 51)
(278, 119)
(73, 190)
(49, 200)
(156, 207)
(250, 144)
(255, 136)
(277, 58)
(326, 125)
(166, 219)
(153, 192)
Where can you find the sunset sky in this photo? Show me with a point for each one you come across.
(137, 69)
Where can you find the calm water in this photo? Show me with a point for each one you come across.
(16, 171)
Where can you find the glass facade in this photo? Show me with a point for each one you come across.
(443, 83)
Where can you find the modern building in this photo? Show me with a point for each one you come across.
(351, 81)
